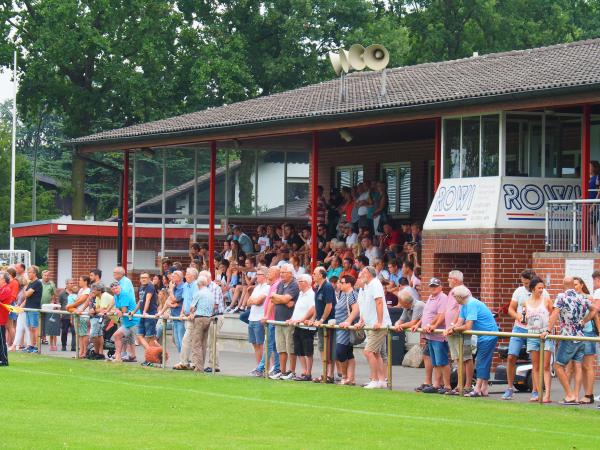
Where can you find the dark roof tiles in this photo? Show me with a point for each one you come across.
(558, 66)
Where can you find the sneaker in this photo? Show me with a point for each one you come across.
(443, 390)
(288, 376)
(273, 370)
(33, 350)
(534, 397)
(430, 390)
(383, 384)
(255, 373)
(508, 394)
(420, 388)
(275, 376)
(26, 349)
(373, 385)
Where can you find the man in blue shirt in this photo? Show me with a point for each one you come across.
(325, 310)
(125, 336)
(189, 289)
(245, 242)
(474, 315)
(124, 282)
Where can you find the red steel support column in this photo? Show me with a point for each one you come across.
(125, 242)
(437, 164)
(585, 151)
(585, 173)
(211, 207)
(314, 160)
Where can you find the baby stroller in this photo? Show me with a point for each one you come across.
(108, 329)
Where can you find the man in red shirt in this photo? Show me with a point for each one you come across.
(389, 239)
(5, 300)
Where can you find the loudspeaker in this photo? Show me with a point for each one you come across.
(356, 57)
(376, 57)
(344, 60)
(334, 58)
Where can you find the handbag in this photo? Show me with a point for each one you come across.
(357, 337)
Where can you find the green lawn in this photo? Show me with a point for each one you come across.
(53, 402)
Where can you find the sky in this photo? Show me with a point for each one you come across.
(6, 87)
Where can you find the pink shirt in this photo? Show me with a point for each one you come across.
(433, 307)
(452, 309)
(272, 290)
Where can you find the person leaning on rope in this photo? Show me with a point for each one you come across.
(5, 299)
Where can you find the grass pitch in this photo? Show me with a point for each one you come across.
(57, 403)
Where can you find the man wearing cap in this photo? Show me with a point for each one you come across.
(102, 302)
(433, 318)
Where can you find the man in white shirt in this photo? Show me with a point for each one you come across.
(370, 251)
(256, 330)
(351, 236)
(304, 312)
(373, 314)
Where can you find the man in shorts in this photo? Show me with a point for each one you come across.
(102, 302)
(256, 330)
(285, 301)
(573, 311)
(33, 294)
(148, 306)
(124, 337)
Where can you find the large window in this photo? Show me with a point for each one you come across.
(397, 177)
(543, 145)
(348, 176)
(471, 146)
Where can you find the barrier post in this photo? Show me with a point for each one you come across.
(325, 339)
(163, 343)
(389, 359)
(39, 332)
(541, 374)
(214, 345)
(460, 368)
(266, 352)
(76, 325)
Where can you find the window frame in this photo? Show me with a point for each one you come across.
(398, 165)
(352, 168)
(501, 129)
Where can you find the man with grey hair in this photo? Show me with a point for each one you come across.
(285, 301)
(455, 279)
(218, 320)
(374, 315)
(189, 289)
(201, 312)
(412, 310)
(119, 274)
(304, 313)
(175, 303)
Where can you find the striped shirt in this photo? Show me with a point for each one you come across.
(217, 295)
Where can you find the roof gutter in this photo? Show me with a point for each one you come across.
(206, 133)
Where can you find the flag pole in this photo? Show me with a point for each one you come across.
(13, 156)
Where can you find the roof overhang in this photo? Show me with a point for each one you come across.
(83, 228)
(323, 121)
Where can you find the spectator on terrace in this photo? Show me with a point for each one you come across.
(370, 250)
(263, 243)
(363, 202)
(201, 311)
(95, 276)
(412, 310)
(380, 214)
(347, 205)
(321, 208)
(66, 322)
(33, 294)
(345, 306)
(348, 269)
(226, 253)
(335, 268)
(269, 314)
(5, 300)
(298, 269)
(189, 289)
(350, 236)
(291, 238)
(218, 320)
(175, 303)
(389, 240)
(244, 240)
(474, 315)
(408, 272)
(101, 303)
(126, 284)
(304, 312)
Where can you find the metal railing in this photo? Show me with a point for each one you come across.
(572, 226)
(77, 317)
(326, 328)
